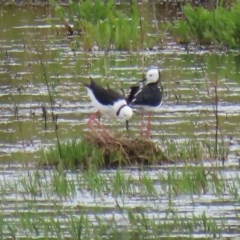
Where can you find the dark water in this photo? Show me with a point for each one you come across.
(187, 112)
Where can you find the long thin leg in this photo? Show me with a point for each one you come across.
(127, 127)
(92, 120)
(149, 125)
(142, 125)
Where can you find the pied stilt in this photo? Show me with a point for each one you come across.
(146, 97)
(109, 103)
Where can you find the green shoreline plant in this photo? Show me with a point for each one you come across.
(201, 26)
(101, 23)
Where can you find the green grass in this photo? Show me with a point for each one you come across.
(74, 154)
(185, 150)
(219, 27)
(103, 23)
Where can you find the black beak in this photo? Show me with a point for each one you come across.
(143, 81)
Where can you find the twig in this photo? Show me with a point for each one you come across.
(54, 117)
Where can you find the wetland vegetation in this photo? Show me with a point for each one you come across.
(56, 182)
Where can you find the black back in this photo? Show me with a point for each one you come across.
(150, 95)
(104, 96)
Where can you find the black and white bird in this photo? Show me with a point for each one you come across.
(107, 102)
(146, 97)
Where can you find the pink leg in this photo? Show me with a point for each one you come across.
(149, 125)
(142, 125)
(92, 120)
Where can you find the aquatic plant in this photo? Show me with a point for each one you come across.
(51, 100)
(147, 186)
(2, 224)
(102, 23)
(74, 154)
(205, 27)
(185, 150)
(213, 74)
(191, 180)
(195, 179)
(62, 186)
(210, 225)
(31, 184)
(142, 225)
(79, 227)
(95, 182)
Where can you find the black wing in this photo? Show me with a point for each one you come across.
(134, 91)
(149, 95)
(104, 96)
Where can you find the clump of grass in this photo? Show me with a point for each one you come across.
(142, 225)
(193, 149)
(192, 180)
(74, 154)
(31, 184)
(126, 151)
(185, 150)
(79, 227)
(105, 151)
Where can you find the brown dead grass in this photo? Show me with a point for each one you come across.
(123, 151)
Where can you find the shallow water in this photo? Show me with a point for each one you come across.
(113, 207)
(187, 111)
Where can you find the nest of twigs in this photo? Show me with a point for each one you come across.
(126, 151)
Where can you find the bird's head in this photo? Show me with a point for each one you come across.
(125, 113)
(152, 76)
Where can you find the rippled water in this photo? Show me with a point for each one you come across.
(221, 209)
(187, 112)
